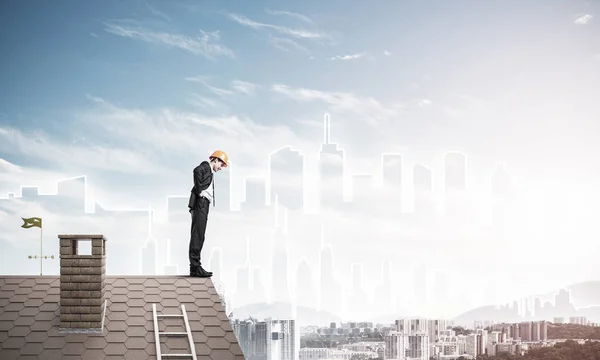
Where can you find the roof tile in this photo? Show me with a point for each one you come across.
(30, 316)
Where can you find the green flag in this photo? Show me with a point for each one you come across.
(32, 222)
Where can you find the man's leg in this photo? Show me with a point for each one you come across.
(196, 238)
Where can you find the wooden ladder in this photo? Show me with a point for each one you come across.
(187, 332)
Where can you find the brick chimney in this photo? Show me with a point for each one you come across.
(82, 300)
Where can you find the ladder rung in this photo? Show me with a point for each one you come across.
(187, 333)
(179, 355)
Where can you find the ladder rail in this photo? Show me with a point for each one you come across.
(156, 335)
(188, 333)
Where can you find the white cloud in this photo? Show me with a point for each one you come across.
(584, 19)
(287, 45)
(237, 86)
(181, 133)
(205, 45)
(298, 33)
(44, 147)
(291, 14)
(343, 102)
(387, 53)
(158, 13)
(424, 102)
(204, 102)
(244, 87)
(347, 57)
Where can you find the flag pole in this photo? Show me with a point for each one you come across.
(41, 250)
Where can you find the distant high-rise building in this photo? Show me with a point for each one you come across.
(391, 165)
(170, 268)
(258, 285)
(29, 192)
(331, 298)
(282, 342)
(358, 300)
(71, 195)
(255, 194)
(287, 177)
(502, 184)
(383, 293)
(562, 301)
(455, 174)
(149, 257)
(435, 328)
(526, 331)
(215, 262)
(420, 283)
(471, 345)
(407, 346)
(305, 291)
(543, 331)
(579, 320)
(455, 171)
(363, 191)
(411, 325)
(331, 172)
(177, 208)
(423, 202)
(260, 340)
(279, 264)
(441, 287)
(393, 346)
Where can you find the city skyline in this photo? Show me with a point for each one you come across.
(428, 283)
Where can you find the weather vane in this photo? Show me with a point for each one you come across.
(36, 222)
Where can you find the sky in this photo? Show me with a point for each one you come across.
(134, 94)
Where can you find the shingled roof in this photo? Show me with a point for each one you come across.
(30, 319)
(82, 316)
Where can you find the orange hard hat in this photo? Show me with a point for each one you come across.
(221, 155)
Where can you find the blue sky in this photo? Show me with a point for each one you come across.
(135, 94)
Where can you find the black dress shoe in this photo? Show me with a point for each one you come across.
(203, 270)
(199, 273)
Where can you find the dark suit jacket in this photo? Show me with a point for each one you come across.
(202, 178)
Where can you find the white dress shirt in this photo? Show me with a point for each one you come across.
(208, 193)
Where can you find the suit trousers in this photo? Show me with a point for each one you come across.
(198, 230)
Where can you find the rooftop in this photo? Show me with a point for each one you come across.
(30, 317)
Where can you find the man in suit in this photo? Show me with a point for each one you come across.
(202, 195)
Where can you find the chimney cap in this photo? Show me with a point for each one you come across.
(81, 237)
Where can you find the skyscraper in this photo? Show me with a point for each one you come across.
(282, 339)
(455, 174)
(149, 257)
(255, 194)
(287, 177)
(391, 167)
(331, 298)
(455, 171)
(279, 262)
(305, 291)
(422, 190)
(363, 191)
(331, 172)
(383, 293)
